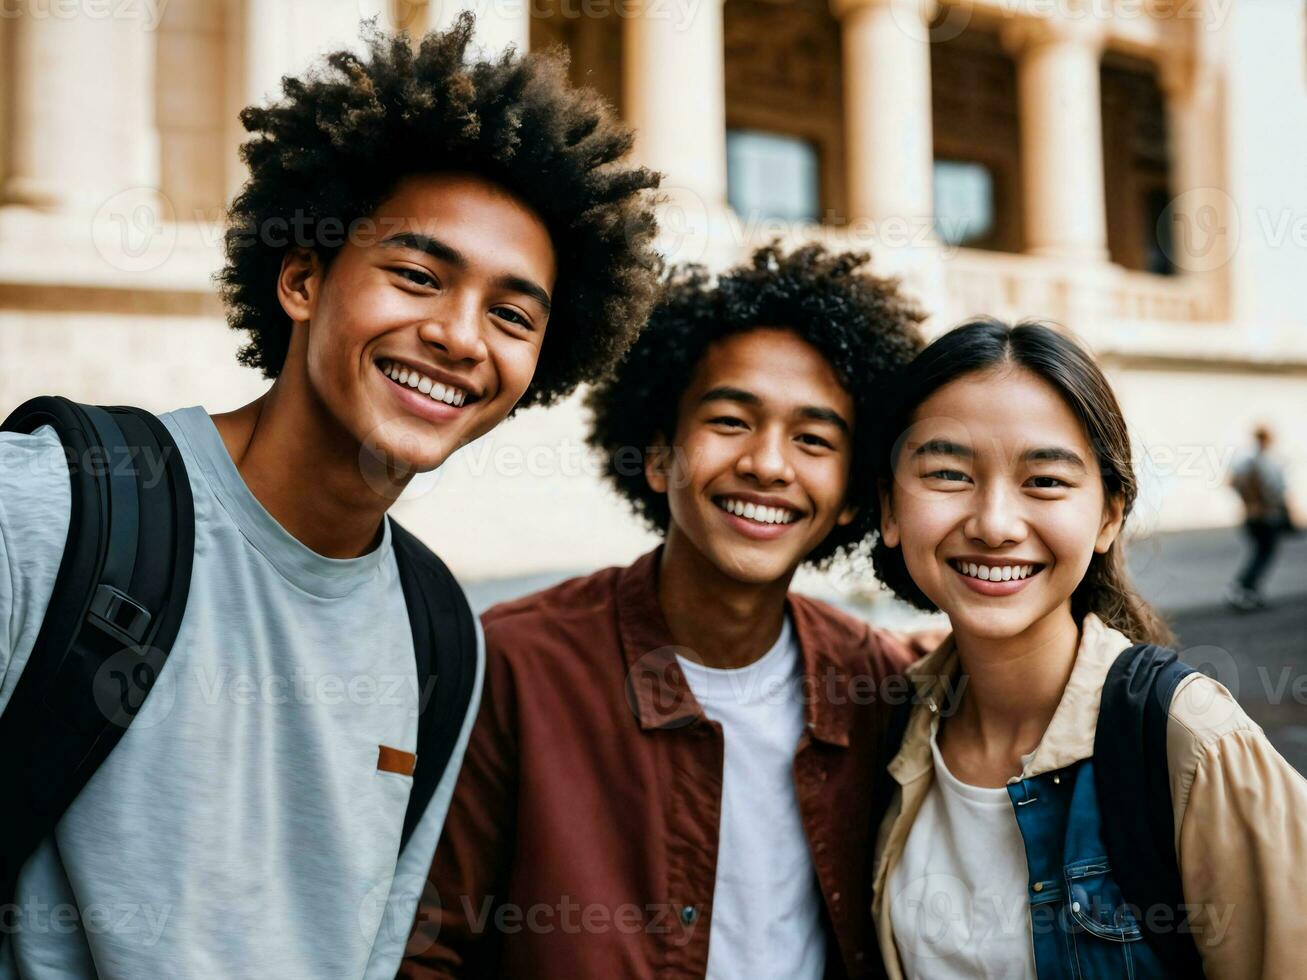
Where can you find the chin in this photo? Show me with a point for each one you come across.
(995, 627)
(751, 565)
(410, 444)
(400, 456)
(992, 624)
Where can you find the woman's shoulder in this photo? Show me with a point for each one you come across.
(1205, 723)
(1203, 710)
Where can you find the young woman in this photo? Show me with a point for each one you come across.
(1007, 481)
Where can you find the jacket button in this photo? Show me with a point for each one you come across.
(689, 914)
(1075, 906)
(1039, 886)
(819, 846)
(835, 897)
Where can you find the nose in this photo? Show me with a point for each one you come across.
(765, 460)
(997, 519)
(456, 329)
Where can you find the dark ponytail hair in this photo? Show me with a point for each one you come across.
(1057, 359)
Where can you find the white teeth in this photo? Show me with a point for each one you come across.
(757, 512)
(434, 389)
(995, 573)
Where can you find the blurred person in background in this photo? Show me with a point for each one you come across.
(1260, 482)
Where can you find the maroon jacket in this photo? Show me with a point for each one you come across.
(582, 837)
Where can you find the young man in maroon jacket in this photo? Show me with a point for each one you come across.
(671, 772)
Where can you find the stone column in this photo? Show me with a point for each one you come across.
(81, 122)
(1061, 135)
(887, 113)
(674, 77)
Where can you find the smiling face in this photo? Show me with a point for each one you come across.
(759, 467)
(424, 332)
(997, 502)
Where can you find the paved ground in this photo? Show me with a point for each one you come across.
(1261, 657)
(1190, 570)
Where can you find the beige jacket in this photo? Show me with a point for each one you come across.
(1240, 809)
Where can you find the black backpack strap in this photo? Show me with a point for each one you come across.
(1132, 778)
(113, 615)
(445, 646)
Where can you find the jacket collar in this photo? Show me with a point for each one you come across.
(656, 687)
(1070, 734)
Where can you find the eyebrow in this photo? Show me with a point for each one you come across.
(442, 252)
(1054, 454)
(1045, 454)
(943, 447)
(815, 413)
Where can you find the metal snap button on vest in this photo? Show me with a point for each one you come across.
(1039, 886)
(688, 914)
(1075, 906)
(1057, 780)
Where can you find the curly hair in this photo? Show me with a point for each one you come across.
(334, 148)
(861, 324)
(1059, 360)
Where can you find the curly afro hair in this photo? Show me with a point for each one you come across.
(861, 325)
(333, 149)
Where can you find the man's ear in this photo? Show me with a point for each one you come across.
(1113, 518)
(298, 283)
(657, 464)
(889, 527)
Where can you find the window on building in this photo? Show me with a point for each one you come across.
(1136, 165)
(785, 108)
(769, 175)
(593, 42)
(1156, 232)
(964, 202)
(977, 141)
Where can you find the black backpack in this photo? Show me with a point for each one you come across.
(116, 607)
(1132, 780)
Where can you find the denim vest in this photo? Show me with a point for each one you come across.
(1081, 926)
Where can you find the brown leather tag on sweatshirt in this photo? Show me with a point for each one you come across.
(395, 760)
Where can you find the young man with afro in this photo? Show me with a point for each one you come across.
(671, 773)
(425, 242)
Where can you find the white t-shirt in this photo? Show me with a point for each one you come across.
(958, 896)
(242, 827)
(766, 915)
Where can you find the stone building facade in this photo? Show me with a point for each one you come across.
(1132, 169)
